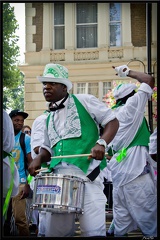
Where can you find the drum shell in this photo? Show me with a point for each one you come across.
(58, 193)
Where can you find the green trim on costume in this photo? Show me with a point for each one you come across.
(120, 103)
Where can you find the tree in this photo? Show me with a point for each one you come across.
(12, 78)
(14, 98)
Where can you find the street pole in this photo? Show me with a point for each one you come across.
(149, 64)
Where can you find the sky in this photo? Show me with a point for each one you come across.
(19, 11)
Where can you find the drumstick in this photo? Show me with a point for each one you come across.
(41, 169)
(67, 156)
(72, 156)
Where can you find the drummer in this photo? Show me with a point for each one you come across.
(71, 128)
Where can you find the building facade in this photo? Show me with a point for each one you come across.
(87, 38)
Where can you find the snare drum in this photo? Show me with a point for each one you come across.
(58, 193)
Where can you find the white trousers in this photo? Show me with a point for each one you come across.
(42, 224)
(136, 202)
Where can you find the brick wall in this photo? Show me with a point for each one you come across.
(138, 24)
(38, 22)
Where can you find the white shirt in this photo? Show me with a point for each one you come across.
(8, 143)
(37, 133)
(130, 117)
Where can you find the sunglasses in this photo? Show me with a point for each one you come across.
(27, 132)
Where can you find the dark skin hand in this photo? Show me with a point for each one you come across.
(25, 191)
(43, 156)
(110, 130)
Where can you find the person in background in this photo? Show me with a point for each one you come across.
(19, 201)
(72, 127)
(134, 190)
(10, 171)
(26, 129)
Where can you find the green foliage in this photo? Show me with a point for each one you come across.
(13, 85)
(14, 98)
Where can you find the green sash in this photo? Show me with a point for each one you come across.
(79, 145)
(141, 139)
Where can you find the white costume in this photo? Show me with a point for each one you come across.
(8, 144)
(92, 222)
(134, 195)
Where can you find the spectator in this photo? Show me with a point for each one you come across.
(19, 201)
(26, 129)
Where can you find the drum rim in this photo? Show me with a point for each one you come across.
(59, 175)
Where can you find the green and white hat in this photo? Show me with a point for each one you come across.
(55, 73)
(123, 90)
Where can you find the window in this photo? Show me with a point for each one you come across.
(106, 87)
(90, 88)
(81, 88)
(93, 89)
(86, 23)
(115, 24)
(59, 39)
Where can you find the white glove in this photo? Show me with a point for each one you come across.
(122, 70)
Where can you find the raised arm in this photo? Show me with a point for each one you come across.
(124, 71)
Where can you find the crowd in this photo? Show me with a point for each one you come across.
(81, 140)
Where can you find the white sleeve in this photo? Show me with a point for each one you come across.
(46, 141)
(8, 133)
(98, 110)
(38, 134)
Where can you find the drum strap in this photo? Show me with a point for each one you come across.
(92, 176)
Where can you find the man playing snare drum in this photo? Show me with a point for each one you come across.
(72, 128)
